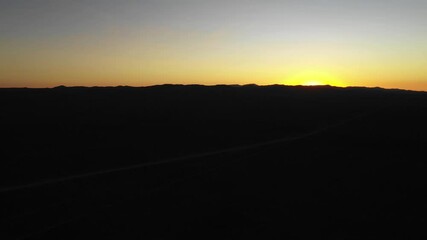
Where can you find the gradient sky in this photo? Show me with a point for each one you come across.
(45, 43)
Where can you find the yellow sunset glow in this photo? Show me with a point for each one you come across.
(314, 78)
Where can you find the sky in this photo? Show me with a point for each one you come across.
(46, 43)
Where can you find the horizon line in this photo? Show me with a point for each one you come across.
(213, 85)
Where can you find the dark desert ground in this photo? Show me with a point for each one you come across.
(213, 162)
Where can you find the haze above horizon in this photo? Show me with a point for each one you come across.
(46, 43)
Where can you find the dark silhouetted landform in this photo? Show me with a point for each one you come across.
(217, 162)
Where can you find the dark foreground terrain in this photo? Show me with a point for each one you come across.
(223, 162)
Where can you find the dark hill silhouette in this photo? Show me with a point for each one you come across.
(218, 162)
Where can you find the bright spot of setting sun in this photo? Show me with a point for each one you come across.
(313, 83)
(313, 78)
